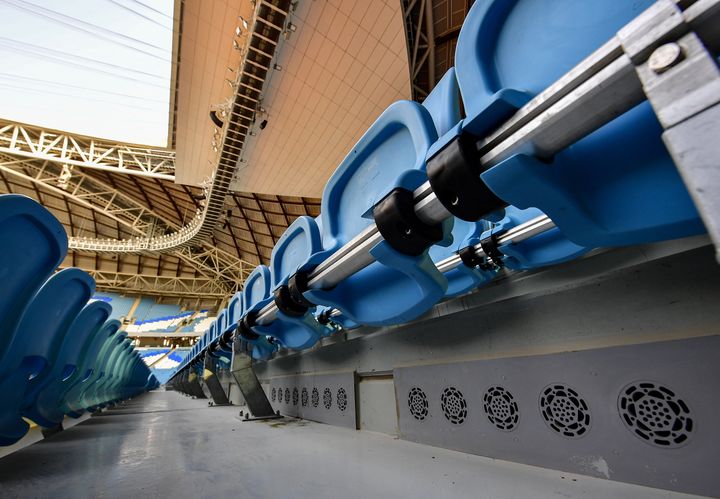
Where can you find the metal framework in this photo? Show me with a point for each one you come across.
(264, 35)
(167, 286)
(418, 22)
(71, 150)
(227, 270)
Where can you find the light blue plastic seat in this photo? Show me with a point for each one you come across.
(49, 407)
(32, 245)
(391, 154)
(36, 343)
(295, 329)
(256, 294)
(617, 186)
(69, 359)
(443, 104)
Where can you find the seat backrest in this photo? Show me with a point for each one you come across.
(443, 103)
(509, 51)
(396, 143)
(235, 310)
(257, 286)
(298, 243)
(91, 350)
(44, 324)
(32, 244)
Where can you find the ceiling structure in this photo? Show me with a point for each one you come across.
(342, 64)
(431, 29)
(295, 88)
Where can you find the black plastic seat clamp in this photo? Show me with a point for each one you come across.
(285, 303)
(245, 327)
(454, 175)
(225, 340)
(470, 258)
(490, 248)
(399, 225)
(297, 285)
(324, 317)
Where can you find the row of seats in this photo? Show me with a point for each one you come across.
(59, 353)
(617, 186)
(167, 324)
(200, 323)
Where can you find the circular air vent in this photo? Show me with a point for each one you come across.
(655, 414)
(564, 410)
(287, 395)
(418, 403)
(453, 405)
(315, 397)
(327, 398)
(342, 399)
(296, 396)
(304, 397)
(272, 394)
(501, 408)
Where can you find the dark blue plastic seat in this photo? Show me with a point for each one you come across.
(79, 399)
(391, 154)
(36, 343)
(32, 245)
(49, 385)
(617, 186)
(49, 407)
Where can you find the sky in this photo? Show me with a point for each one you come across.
(93, 67)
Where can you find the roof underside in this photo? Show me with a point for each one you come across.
(282, 158)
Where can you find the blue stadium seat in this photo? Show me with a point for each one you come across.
(296, 329)
(256, 294)
(36, 343)
(77, 400)
(617, 186)
(50, 406)
(24, 224)
(443, 104)
(391, 154)
(67, 362)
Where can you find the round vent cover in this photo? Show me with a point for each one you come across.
(287, 395)
(342, 399)
(564, 410)
(304, 397)
(501, 408)
(327, 398)
(418, 403)
(653, 413)
(315, 397)
(295, 396)
(272, 394)
(453, 405)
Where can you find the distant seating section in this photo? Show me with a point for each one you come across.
(60, 351)
(163, 324)
(200, 323)
(121, 305)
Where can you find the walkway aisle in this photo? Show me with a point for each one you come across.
(163, 444)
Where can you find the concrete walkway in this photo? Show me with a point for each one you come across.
(163, 444)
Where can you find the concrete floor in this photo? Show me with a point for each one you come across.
(163, 444)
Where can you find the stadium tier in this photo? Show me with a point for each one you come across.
(392, 249)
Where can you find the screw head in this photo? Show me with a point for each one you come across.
(664, 57)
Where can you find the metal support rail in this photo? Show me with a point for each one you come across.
(600, 88)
